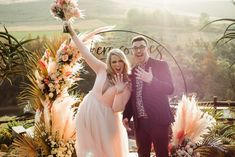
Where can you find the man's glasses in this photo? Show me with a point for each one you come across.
(141, 48)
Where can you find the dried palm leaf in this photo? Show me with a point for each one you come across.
(208, 151)
(214, 142)
(31, 93)
(25, 146)
(54, 44)
(93, 36)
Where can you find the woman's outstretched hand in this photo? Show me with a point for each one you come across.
(119, 84)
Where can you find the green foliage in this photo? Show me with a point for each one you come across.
(25, 124)
(219, 142)
(6, 132)
(229, 32)
(206, 69)
(12, 57)
(6, 137)
(226, 132)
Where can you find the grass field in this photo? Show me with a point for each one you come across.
(25, 31)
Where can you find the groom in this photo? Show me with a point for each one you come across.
(149, 106)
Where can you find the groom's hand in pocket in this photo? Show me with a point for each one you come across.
(125, 122)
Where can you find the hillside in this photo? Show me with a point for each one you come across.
(36, 13)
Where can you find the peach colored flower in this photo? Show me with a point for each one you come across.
(46, 81)
(68, 73)
(65, 58)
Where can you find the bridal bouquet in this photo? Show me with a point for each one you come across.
(66, 10)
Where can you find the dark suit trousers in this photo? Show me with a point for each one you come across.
(146, 134)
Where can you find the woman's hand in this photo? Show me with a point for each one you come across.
(125, 122)
(119, 84)
(68, 27)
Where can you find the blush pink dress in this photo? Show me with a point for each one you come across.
(99, 128)
(100, 132)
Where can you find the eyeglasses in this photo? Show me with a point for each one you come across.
(141, 48)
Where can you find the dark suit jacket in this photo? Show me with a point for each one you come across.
(155, 95)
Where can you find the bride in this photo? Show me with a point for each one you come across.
(100, 132)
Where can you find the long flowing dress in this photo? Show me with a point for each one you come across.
(100, 132)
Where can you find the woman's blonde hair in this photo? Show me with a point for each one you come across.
(126, 69)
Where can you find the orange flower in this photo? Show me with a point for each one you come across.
(43, 67)
(68, 73)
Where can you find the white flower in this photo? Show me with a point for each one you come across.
(43, 134)
(58, 91)
(38, 115)
(53, 152)
(53, 76)
(50, 85)
(52, 67)
(52, 89)
(69, 152)
(51, 95)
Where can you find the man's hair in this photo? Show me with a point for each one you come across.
(139, 38)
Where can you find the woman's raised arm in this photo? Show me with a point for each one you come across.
(91, 60)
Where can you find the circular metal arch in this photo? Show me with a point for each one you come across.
(133, 32)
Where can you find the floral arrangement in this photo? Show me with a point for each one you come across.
(66, 9)
(54, 133)
(61, 149)
(54, 130)
(55, 75)
(190, 122)
(189, 128)
(43, 144)
(57, 70)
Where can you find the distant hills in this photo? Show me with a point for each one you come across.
(36, 13)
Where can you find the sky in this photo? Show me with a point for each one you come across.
(214, 8)
(126, 1)
(15, 1)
